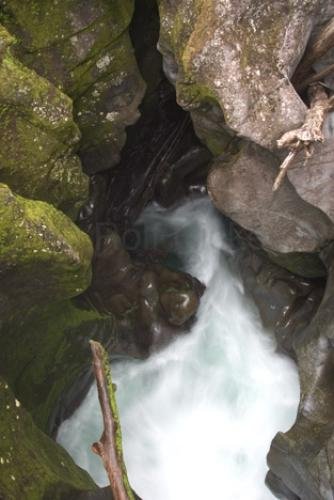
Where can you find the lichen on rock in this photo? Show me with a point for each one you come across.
(44, 257)
(50, 371)
(234, 60)
(84, 48)
(38, 136)
(32, 466)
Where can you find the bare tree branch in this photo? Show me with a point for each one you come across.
(109, 447)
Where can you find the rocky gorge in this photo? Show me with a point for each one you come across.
(107, 106)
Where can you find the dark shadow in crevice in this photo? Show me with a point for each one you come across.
(163, 159)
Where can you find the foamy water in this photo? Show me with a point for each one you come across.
(198, 417)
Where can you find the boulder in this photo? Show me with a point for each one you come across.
(32, 465)
(146, 298)
(44, 257)
(46, 358)
(286, 302)
(303, 457)
(241, 188)
(231, 63)
(84, 48)
(313, 178)
(37, 136)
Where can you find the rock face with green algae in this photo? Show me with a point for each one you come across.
(37, 136)
(84, 48)
(231, 62)
(44, 257)
(49, 371)
(32, 466)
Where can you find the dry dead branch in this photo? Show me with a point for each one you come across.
(109, 447)
(310, 132)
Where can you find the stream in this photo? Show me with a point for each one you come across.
(197, 417)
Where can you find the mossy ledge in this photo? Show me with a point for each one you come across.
(44, 256)
(32, 465)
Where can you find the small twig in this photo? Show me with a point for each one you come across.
(283, 169)
(109, 447)
(310, 132)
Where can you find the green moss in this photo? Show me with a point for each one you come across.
(40, 101)
(105, 107)
(88, 54)
(37, 136)
(115, 414)
(53, 354)
(43, 255)
(47, 23)
(36, 165)
(32, 466)
(6, 40)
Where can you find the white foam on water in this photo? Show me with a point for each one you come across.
(198, 417)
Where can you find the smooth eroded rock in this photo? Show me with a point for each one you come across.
(148, 299)
(232, 61)
(286, 302)
(313, 178)
(303, 457)
(242, 189)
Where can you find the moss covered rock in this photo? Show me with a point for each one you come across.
(48, 371)
(84, 48)
(37, 136)
(32, 466)
(44, 257)
(231, 63)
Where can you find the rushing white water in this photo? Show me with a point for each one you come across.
(198, 417)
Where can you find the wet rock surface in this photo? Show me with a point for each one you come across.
(46, 358)
(147, 299)
(44, 256)
(231, 64)
(85, 49)
(30, 461)
(286, 302)
(38, 136)
(303, 457)
(163, 160)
